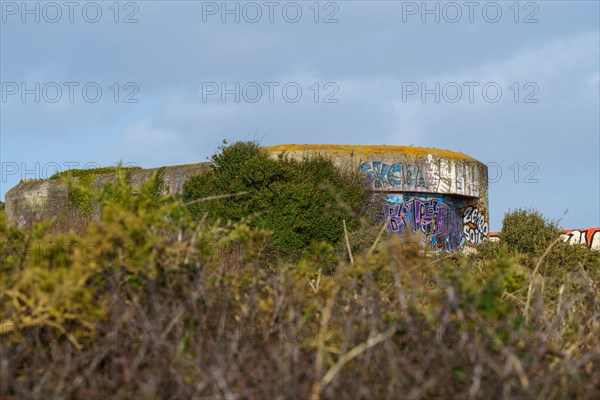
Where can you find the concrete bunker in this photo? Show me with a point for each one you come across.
(440, 193)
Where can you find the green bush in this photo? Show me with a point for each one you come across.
(299, 201)
(565, 257)
(527, 231)
(148, 302)
(489, 250)
(80, 182)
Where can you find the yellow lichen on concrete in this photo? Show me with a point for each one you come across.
(364, 151)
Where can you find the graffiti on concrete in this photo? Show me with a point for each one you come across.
(449, 176)
(433, 216)
(397, 175)
(422, 176)
(173, 184)
(475, 226)
(589, 237)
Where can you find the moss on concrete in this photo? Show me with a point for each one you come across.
(362, 151)
(78, 173)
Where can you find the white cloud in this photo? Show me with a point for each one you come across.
(143, 142)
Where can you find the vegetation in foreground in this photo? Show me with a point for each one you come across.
(155, 299)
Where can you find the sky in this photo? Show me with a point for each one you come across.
(513, 84)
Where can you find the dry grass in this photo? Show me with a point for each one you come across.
(172, 308)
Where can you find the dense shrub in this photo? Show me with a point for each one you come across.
(150, 302)
(563, 257)
(80, 183)
(527, 231)
(300, 201)
(536, 243)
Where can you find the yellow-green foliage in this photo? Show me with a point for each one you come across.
(80, 184)
(78, 173)
(527, 231)
(535, 242)
(46, 281)
(154, 302)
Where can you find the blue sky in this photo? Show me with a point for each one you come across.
(515, 85)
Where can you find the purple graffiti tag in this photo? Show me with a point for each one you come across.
(425, 214)
(398, 218)
(440, 223)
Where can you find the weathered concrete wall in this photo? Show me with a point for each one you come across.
(440, 193)
(173, 177)
(404, 168)
(34, 200)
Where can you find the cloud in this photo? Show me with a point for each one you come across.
(368, 55)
